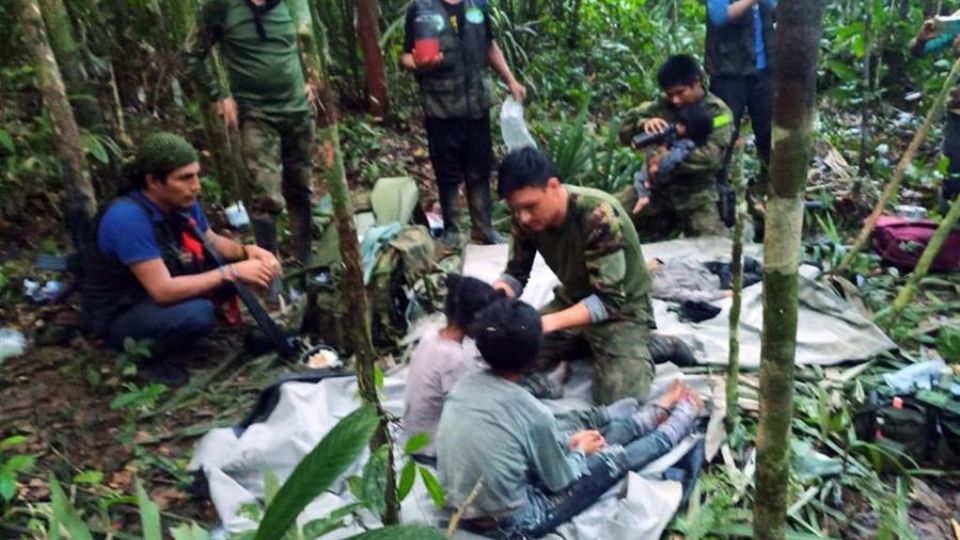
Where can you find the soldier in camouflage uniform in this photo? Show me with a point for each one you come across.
(685, 201)
(269, 100)
(932, 40)
(602, 308)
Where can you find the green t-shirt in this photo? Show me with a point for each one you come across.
(595, 251)
(265, 74)
(494, 430)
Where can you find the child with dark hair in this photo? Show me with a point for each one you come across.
(442, 356)
(693, 128)
(533, 477)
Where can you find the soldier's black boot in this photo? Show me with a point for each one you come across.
(665, 348)
(447, 193)
(478, 201)
(301, 232)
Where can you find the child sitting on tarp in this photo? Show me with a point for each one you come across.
(443, 355)
(693, 129)
(495, 432)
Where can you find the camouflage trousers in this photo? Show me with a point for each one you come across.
(277, 152)
(661, 219)
(618, 350)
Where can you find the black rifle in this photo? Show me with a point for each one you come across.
(276, 337)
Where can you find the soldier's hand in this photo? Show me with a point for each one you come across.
(312, 98)
(641, 202)
(257, 253)
(427, 65)
(518, 90)
(929, 30)
(227, 108)
(655, 125)
(253, 272)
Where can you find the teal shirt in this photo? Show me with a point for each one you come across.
(939, 43)
(494, 430)
(264, 74)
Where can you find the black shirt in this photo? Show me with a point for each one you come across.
(455, 14)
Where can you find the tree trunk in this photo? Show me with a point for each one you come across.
(799, 26)
(923, 265)
(739, 184)
(369, 28)
(865, 98)
(81, 199)
(355, 291)
(81, 93)
(935, 111)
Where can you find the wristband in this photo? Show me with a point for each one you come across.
(223, 273)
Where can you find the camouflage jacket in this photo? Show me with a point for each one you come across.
(697, 175)
(595, 252)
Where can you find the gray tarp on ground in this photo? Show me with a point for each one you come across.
(830, 330)
(305, 412)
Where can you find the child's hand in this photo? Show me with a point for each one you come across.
(641, 202)
(929, 30)
(588, 441)
(653, 165)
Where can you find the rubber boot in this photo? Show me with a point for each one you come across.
(265, 233)
(448, 207)
(301, 230)
(664, 348)
(478, 201)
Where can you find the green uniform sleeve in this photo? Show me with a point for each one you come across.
(708, 159)
(634, 119)
(606, 259)
(523, 250)
(208, 31)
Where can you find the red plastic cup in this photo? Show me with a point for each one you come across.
(425, 50)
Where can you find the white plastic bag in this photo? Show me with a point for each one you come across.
(12, 343)
(512, 126)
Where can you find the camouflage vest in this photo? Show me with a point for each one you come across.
(461, 86)
(731, 48)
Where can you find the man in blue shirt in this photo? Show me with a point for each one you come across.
(738, 58)
(149, 277)
(931, 40)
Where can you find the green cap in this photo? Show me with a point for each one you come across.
(162, 153)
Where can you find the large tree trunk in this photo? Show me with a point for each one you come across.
(81, 199)
(369, 29)
(355, 291)
(799, 26)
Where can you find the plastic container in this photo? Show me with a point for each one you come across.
(426, 34)
(513, 128)
(12, 343)
(237, 215)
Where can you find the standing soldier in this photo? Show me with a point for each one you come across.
(457, 94)
(270, 102)
(686, 199)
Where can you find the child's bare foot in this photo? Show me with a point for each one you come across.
(694, 398)
(676, 392)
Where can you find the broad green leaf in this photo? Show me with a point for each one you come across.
(271, 485)
(10, 442)
(375, 481)
(7, 142)
(407, 476)
(417, 442)
(401, 532)
(378, 378)
(325, 525)
(433, 487)
(8, 485)
(19, 463)
(149, 515)
(88, 477)
(66, 514)
(318, 470)
(189, 532)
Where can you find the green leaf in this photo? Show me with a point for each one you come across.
(407, 476)
(66, 514)
(149, 515)
(6, 142)
(433, 487)
(318, 470)
(271, 485)
(12, 441)
(8, 485)
(378, 378)
(948, 343)
(417, 442)
(325, 525)
(401, 532)
(20, 463)
(375, 481)
(189, 532)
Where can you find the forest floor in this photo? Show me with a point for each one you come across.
(95, 427)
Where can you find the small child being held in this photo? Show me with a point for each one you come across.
(693, 129)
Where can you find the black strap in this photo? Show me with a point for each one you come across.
(259, 12)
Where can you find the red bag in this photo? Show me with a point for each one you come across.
(900, 242)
